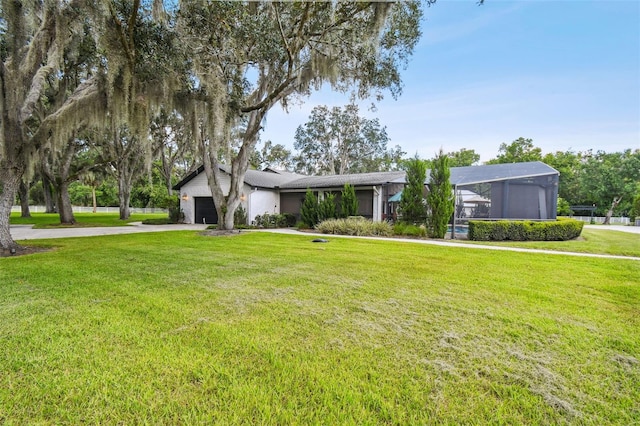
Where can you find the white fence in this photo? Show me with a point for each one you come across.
(600, 219)
(79, 209)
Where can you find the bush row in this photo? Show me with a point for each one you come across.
(355, 226)
(524, 230)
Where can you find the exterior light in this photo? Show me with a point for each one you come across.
(185, 197)
(243, 197)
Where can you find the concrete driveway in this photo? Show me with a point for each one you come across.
(622, 228)
(26, 232)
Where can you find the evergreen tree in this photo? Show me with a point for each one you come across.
(440, 197)
(327, 207)
(309, 209)
(349, 204)
(412, 203)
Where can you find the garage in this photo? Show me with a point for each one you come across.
(205, 210)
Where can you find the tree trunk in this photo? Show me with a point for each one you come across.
(64, 205)
(124, 196)
(614, 204)
(9, 183)
(93, 198)
(227, 222)
(24, 199)
(166, 173)
(48, 195)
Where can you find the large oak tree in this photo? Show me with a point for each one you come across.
(35, 38)
(248, 57)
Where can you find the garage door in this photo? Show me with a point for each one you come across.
(205, 210)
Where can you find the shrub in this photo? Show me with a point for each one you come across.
(274, 220)
(410, 230)
(525, 230)
(309, 210)
(564, 209)
(355, 226)
(158, 221)
(349, 201)
(172, 203)
(327, 207)
(240, 216)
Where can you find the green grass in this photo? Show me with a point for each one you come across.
(259, 328)
(599, 241)
(48, 220)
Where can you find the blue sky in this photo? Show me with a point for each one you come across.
(563, 73)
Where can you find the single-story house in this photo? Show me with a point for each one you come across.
(498, 191)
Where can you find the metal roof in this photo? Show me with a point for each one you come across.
(459, 176)
(360, 179)
(496, 172)
(268, 179)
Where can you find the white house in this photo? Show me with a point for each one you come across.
(504, 191)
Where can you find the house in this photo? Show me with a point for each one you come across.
(498, 191)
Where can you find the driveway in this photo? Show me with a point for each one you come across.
(622, 228)
(26, 232)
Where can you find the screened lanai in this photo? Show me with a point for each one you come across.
(505, 191)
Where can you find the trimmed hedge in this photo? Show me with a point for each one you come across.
(355, 226)
(524, 230)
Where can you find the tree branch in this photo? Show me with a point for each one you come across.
(37, 85)
(273, 97)
(121, 35)
(86, 97)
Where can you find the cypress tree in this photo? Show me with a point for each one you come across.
(327, 207)
(412, 205)
(309, 209)
(349, 203)
(440, 198)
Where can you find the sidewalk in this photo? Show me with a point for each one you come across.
(26, 232)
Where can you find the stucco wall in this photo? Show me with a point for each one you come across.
(261, 201)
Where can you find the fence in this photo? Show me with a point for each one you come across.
(600, 219)
(80, 209)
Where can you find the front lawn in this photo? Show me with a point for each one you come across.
(177, 328)
(49, 220)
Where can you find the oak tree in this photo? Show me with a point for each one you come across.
(248, 57)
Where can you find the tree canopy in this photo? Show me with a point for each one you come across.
(222, 65)
(462, 158)
(519, 151)
(256, 55)
(340, 141)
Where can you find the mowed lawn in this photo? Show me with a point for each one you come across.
(177, 328)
